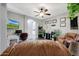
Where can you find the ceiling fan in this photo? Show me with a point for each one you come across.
(42, 12)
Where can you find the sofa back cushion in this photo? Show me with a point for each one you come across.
(39, 48)
(70, 35)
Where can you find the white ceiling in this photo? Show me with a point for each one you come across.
(28, 8)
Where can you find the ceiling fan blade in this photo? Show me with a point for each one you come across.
(36, 11)
(37, 15)
(47, 14)
(41, 9)
(46, 10)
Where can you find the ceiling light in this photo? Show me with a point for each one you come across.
(41, 14)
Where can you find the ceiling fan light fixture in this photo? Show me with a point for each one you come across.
(42, 14)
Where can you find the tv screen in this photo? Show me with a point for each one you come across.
(40, 27)
(18, 31)
(74, 23)
(12, 24)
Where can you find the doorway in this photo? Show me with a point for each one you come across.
(32, 29)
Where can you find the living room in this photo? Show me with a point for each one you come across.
(42, 21)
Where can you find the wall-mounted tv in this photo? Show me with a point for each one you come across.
(12, 23)
(74, 23)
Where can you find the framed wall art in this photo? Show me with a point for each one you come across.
(54, 20)
(63, 22)
(63, 19)
(51, 21)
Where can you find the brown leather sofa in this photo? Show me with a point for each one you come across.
(69, 37)
(37, 48)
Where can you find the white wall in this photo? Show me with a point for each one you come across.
(3, 27)
(64, 30)
(18, 17)
(22, 22)
(37, 24)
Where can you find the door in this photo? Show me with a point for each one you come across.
(32, 29)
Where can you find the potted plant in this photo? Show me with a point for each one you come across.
(73, 9)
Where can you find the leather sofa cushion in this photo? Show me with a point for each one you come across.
(39, 48)
(71, 35)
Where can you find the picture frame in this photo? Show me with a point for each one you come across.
(51, 21)
(63, 22)
(54, 20)
(63, 25)
(63, 19)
